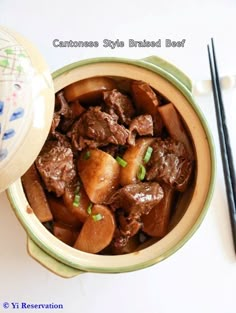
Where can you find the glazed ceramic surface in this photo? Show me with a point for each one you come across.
(175, 86)
(26, 105)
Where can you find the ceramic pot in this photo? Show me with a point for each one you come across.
(174, 85)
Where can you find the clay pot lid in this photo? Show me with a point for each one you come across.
(26, 105)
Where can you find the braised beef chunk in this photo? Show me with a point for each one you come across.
(65, 124)
(130, 246)
(119, 240)
(133, 201)
(120, 105)
(55, 123)
(156, 222)
(67, 112)
(62, 107)
(57, 129)
(55, 132)
(129, 226)
(127, 229)
(137, 199)
(64, 111)
(62, 139)
(169, 163)
(56, 167)
(141, 125)
(96, 128)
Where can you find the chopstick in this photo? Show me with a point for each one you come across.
(226, 153)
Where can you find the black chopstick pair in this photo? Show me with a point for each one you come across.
(226, 153)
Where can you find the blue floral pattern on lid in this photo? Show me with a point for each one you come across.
(18, 113)
(1, 107)
(9, 133)
(15, 66)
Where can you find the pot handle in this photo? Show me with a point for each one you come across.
(171, 69)
(49, 262)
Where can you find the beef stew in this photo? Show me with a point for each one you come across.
(112, 166)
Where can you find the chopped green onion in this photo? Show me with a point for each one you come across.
(148, 154)
(141, 172)
(89, 209)
(76, 200)
(120, 161)
(87, 155)
(97, 217)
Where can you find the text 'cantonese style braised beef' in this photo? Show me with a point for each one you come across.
(111, 166)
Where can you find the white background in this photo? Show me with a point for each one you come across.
(201, 276)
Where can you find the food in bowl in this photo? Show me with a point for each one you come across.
(116, 160)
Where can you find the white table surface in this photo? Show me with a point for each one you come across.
(201, 276)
